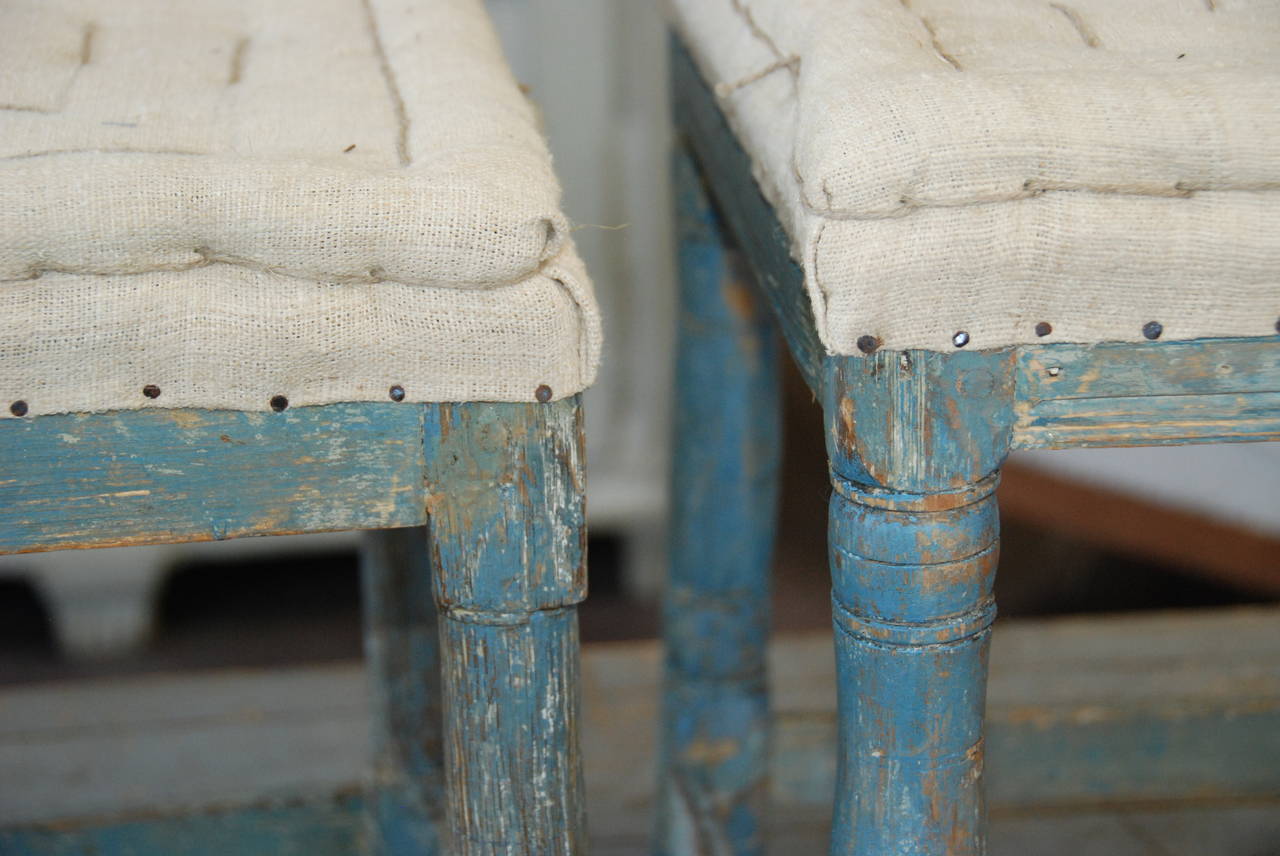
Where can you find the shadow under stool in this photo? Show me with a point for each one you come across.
(267, 273)
(960, 266)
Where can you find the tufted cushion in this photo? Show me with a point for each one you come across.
(234, 199)
(946, 166)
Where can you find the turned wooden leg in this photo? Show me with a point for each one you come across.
(914, 536)
(508, 540)
(404, 804)
(912, 608)
(724, 488)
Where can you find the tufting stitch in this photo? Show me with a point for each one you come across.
(934, 41)
(1087, 35)
(237, 61)
(945, 166)
(470, 190)
(238, 199)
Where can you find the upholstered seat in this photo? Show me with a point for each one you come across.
(233, 200)
(1012, 171)
(1019, 225)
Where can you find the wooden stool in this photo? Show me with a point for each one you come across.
(277, 271)
(1041, 226)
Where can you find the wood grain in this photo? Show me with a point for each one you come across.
(164, 476)
(912, 568)
(508, 545)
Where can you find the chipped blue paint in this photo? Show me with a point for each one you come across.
(914, 439)
(918, 421)
(317, 827)
(163, 476)
(716, 615)
(501, 486)
(1210, 390)
(508, 544)
(912, 609)
(405, 799)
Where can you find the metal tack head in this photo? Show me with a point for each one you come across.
(542, 393)
(279, 402)
(960, 339)
(1152, 329)
(868, 344)
(396, 392)
(151, 391)
(1044, 328)
(18, 408)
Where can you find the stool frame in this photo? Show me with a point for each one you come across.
(470, 597)
(915, 441)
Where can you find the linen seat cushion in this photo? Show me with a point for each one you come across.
(235, 199)
(946, 166)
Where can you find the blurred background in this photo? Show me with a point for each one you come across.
(1084, 532)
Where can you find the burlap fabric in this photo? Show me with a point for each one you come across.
(996, 167)
(236, 199)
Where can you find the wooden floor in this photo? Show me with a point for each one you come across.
(1157, 735)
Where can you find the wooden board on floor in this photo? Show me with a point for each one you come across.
(1083, 711)
(1146, 530)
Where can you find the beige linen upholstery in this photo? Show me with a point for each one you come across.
(235, 199)
(947, 165)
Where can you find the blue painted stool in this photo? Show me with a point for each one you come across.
(965, 256)
(272, 273)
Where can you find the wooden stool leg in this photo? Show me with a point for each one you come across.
(912, 608)
(508, 538)
(404, 804)
(913, 540)
(724, 480)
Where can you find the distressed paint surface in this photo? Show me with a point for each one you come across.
(724, 494)
(918, 421)
(164, 476)
(502, 485)
(1213, 390)
(912, 609)
(508, 544)
(914, 440)
(405, 797)
(311, 828)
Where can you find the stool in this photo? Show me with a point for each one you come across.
(980, 228)
(270, 271)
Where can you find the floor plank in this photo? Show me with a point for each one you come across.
(88, 754)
